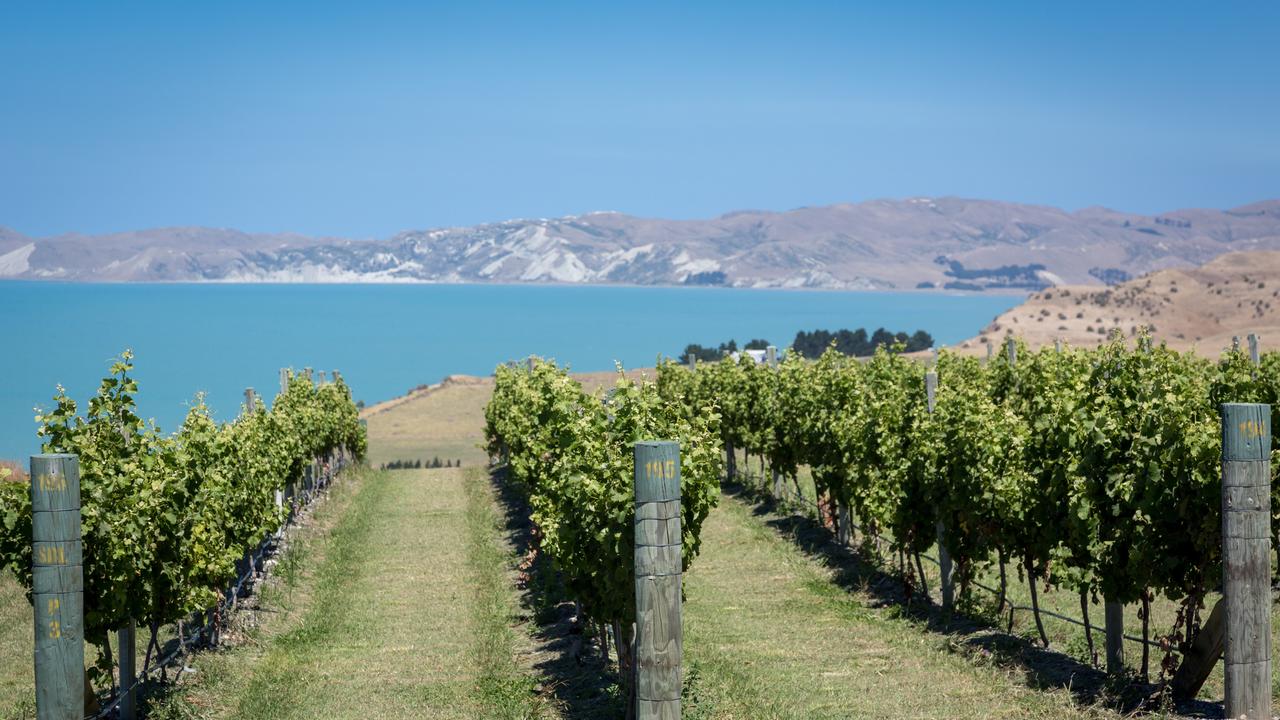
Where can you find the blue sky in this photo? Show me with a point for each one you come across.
(361, 119)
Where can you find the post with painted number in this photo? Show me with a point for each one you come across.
(57, 587)
(659, 637)
(1246, 558)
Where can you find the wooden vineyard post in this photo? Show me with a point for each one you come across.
(1011, 349)
(659, 636)
(320, 374)
(127, 649)
(1113, 623)
(306, 372)
(771, 359)
(944, 556)
(250, 401)
(990, 350)
(692, 361)
(284, 379)
(1246, 558)
(57, 587)
(1253, 350)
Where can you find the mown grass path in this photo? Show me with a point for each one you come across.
(769, 635)
(405, 613)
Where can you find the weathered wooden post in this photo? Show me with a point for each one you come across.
(771, 356)
(944, 556)
(531, 362)
(659, 635)
(337, 377)
(306, 373)
(1057, 345)
(1113, 635)
(250, 401)
(1011, 349)
(990, 350)
(320, 374)
(1113, 622)
(284, 379)
(692, 361)
(127, 650)
(57, 587)
(1246, 558)
(1253, 350)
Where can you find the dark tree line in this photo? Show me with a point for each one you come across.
(434, 462)
(812, 344)
(857, 342)
(712, 353)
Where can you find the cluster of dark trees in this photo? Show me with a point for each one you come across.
(812, 344)
(714, 353)
(857, 342)
(418, 464)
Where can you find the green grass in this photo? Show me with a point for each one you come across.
(405, 613)
(1064, 637)
(505, 690)
(17, 673)
(769, 634)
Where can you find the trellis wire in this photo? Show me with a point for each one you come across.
(227, 603)
(799, 499)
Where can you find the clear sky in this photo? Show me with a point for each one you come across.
(364, 118)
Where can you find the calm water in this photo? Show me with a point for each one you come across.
(388, 338)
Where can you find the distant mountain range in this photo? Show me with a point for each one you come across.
(940, 243)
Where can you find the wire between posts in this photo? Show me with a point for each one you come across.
(797, 498)
(184, 643)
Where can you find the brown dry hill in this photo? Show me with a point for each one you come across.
(1201, 308)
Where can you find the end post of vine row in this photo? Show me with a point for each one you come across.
(658, 567)
(57, 587)
(1246, 557)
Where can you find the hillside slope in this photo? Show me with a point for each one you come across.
(939, 243)
(1198, 308)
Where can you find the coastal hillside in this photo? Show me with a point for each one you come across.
(1195, 308)
(916, 243)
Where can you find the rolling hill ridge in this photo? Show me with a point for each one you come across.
(927, 243)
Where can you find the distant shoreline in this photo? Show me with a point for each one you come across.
(546, 284)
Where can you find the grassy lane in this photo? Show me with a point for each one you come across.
(17, 674)
(769, 635)
(405, 615)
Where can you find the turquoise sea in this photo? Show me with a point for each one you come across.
(386, 339)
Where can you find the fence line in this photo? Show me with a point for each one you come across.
(270, 545)
(794, 497)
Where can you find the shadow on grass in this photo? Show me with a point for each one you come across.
(973, 631)
(578, 676)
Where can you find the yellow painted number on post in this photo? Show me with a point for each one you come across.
(55, 627)
(660, 468)
(1250, 429)
(52, 483)
(53, 555)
